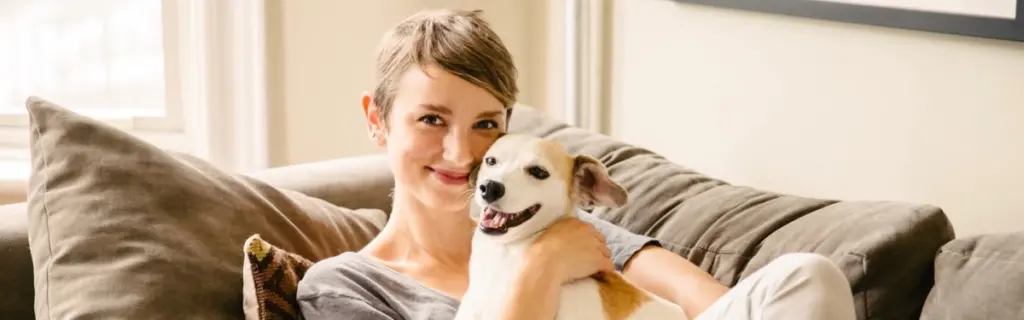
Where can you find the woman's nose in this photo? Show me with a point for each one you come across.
(457, 149)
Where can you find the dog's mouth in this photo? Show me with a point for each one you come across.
(494, 222)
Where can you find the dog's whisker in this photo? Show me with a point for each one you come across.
(468, 193)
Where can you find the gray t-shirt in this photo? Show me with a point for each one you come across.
(354, 286)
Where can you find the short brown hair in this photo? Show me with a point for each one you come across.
(457, 41)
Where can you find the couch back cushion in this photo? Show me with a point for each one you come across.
(978, 277)
(120, 229)
(884, 248)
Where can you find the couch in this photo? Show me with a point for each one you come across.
(174, 246)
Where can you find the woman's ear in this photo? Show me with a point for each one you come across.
(374, 125)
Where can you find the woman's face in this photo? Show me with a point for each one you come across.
(438, 129)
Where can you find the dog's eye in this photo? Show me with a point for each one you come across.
(537, 172)
(490, 161)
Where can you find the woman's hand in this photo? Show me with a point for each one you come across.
(571, 249)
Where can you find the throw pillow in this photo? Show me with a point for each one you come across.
(270, 278)
(120, 229)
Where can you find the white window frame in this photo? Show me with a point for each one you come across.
(221, 115)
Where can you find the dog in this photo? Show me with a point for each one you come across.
(523, 185)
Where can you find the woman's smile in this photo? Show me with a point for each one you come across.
(450, 177)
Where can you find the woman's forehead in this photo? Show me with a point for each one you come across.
(433, 89)
(446, 110)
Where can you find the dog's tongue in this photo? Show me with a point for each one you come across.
(494, 220)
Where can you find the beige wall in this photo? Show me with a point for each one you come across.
(321, 59)
(826, 109)
(790, 104)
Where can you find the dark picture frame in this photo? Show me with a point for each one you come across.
(950, 23)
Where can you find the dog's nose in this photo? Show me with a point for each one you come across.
(492, 190)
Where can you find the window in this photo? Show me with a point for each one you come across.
(186, 75)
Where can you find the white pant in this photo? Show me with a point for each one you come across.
(795, 286)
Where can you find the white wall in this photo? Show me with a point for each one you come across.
(825, 108)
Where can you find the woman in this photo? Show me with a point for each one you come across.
(445, 83)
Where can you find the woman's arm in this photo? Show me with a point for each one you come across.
(674, 278)
(566, 251)
(645, 263)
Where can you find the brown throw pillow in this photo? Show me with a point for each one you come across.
(120, 229)
(270, 278)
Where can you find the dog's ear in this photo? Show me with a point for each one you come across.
(593, 185)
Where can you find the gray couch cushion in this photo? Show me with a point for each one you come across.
(120, 229)
(979, 277)
(885, 248)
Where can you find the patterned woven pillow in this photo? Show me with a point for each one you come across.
(270, 278)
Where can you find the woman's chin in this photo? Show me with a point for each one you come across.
(447, 201)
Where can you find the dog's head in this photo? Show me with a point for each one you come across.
(525, 184)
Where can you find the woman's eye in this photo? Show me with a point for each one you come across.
(488, 124)
(537, 172)
(432, 120)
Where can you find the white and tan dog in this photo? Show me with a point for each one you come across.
(524, 185)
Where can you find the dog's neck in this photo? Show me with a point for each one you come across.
(494, 265)
(493, 259)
